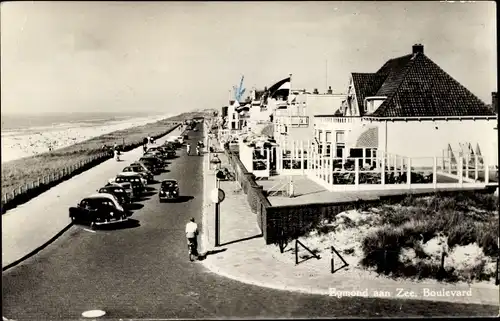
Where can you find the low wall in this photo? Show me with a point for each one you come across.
(23, 194)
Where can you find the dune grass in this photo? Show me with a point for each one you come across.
(459, 220)
(27, 170)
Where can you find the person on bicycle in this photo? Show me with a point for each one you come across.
(188, 148)
(191, 235)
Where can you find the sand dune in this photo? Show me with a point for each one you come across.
(33, 141)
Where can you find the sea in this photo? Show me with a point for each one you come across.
(25, 135)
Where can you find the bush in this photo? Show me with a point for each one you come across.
(463, 233)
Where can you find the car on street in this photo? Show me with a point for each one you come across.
(135, 179)
(118, 192)
(180, 139)
(169, 152)
(136, 168)
(98, 209)
(125, 185)
(152, 161)
(169, 190)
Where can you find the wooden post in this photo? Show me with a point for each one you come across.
(467, 159)
(409, 171)
(486, 170)
(356, 172)
(382, 171)
(434, 172)
(301, 160)
(395, 164)
(460, 171)
(364, 157)
(476, 169)
(442, 161)
(331, 164)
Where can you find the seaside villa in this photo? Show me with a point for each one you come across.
(408, 125)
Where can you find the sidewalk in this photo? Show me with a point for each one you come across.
(30, 225)
(251, 261)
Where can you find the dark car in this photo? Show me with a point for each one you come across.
(125, 185)
(98, 209)
(169, 190)
(135, 179)
(120, 194)
(170, 145)
(136, 168)
(168, 151)
(156, 162)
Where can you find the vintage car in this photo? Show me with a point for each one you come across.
(135, 168)
(135, 179)
(168, 152)
(98, 209)
(174, 140)
(157, 153)
(125, 185)
(152, 161)
(118, 192)
(169, 190)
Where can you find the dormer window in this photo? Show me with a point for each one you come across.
(372, 103)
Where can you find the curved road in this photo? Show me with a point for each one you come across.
(142, 271)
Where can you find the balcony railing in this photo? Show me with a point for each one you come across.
(293, 121)
(337, 120)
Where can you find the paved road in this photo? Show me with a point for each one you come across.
(143, 272)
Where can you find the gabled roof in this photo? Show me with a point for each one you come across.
(416, 87)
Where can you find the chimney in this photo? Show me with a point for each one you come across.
(418, 48)
(494, 102)
(330, 91)
(315, 91)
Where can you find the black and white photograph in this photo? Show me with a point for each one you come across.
(249, 160)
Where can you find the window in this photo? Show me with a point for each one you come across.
(339, 137)
(234, 116)
(320, 135)
(328, 136)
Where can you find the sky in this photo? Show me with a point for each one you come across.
(180, 56)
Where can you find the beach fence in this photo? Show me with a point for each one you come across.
(14, 196)
(28, 190)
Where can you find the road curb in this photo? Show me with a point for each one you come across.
(38, 249)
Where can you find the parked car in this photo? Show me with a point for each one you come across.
(135, 179)
(125, 185)
(135, 168)
(169, 190)
(98, 209)
(118, 192)
(168, 152)
(180, 139)
(157, 154)
(154, 161)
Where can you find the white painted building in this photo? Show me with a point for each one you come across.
(410, 107)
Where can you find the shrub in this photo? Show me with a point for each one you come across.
(382, 248)
(463, 233)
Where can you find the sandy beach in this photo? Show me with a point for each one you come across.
(32, 141)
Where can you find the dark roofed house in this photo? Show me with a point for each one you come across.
(418, 109)
(413, 86)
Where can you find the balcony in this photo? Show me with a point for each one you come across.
(293, 121)
(331, 122)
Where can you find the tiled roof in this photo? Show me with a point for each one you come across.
(417, 87)
(369, 138)
(366, 85)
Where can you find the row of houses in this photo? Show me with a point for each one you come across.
(409, 111)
